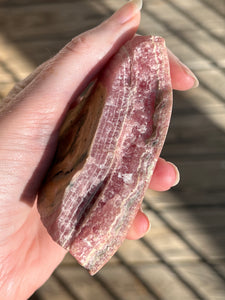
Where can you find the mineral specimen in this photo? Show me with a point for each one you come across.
(108, 147)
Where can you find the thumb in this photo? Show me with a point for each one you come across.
(28, 127)
(63, 77)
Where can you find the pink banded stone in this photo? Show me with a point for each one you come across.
(108, 147)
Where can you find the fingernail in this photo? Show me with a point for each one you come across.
(147, 225)
(128, 11)
(139, 3)
(177, 174)
(186, 70)
(191, 74)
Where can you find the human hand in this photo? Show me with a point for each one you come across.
(31, 116)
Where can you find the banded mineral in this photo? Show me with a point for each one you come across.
(107, 150)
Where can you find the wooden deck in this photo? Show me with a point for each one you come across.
(182, 257)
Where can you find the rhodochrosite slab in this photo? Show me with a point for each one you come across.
(108, 148)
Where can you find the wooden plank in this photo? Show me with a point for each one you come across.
(41, 50)
(205, 99)
(221, 266)
(197, 218)
(204, 279)
(134, 252)
(5, 77)
(217, 6)
(82, 284)
(168, 15)
(186, 53)
(149, 26)
(198, 13)
(16, 3)
(201, 176)
(15, 63)
(69, 260)
(198, 124)
(204, 44)
(202, 100)
(173, 199)
(187, 137)
(203, 228)
(167, 243)
(168, 22)
(191, 34)
(52, 290)
(48, 19)
(124, 284)
(4, 89)
(213, 80)
(165, 283)
(210, 242)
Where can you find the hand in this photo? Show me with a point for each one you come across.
(30, 118)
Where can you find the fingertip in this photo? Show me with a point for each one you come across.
(182, 77)
(176, 177)
(140, 226)
(165, 176)
(138, 3)
(127, 12)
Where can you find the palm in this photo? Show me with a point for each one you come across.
(31, 253)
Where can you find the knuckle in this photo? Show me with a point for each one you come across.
(79, 45)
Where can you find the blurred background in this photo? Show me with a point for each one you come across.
(182, 257)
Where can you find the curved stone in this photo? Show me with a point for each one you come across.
(108, 147)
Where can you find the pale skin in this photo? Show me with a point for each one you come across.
(30, 118)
